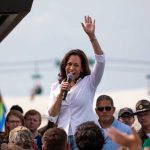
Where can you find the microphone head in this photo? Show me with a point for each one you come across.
(69, 77)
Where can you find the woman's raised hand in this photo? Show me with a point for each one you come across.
(89, 26)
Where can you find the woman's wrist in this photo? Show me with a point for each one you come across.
(60, 95)
(93, 39)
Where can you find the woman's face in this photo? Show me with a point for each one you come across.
(13, 122)
(74, 65)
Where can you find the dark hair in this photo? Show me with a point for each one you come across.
(84, 64)
(46, 127)
(16, 107)
(33, 112)
(89, 136)
(105, 97)
(55, 138)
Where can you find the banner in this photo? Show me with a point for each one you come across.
(2, 114)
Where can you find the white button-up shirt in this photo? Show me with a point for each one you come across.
(77, 108)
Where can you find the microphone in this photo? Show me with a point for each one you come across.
(69, 79)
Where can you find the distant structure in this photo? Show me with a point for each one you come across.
(11, 13)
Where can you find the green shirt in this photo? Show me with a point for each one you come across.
(146, 143)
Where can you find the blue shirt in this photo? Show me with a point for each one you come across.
(109, 144)
(39, 141)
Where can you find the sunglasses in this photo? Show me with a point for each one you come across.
(107, 108)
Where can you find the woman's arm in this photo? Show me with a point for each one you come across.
(56, 101)
(55, 108)
(89, 28)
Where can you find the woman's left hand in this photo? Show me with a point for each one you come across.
(89, 26)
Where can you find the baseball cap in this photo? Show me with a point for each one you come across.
(142, 106)
(21, 136)
(125, 111)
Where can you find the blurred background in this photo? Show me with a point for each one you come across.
(31, 53)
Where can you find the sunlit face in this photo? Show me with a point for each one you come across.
(13, 122)
(32, 122)
(74, 66)
(144, 118)
(105, 116)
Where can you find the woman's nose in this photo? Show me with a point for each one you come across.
(71, 68)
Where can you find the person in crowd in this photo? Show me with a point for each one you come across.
(55, 138)
(13, 119)
(20, 138)
(89, 136)
(146, 148)
(46, 127)
(126, 115)
(17, 107)
(146, 144)
(70, 102)
(105, 110)
(32, 121)
(126, 142)
(143, 116)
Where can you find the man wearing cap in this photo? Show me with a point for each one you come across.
(143, 115)
(126, 116)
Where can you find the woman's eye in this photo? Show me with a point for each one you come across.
(69, 64)
(76, 65)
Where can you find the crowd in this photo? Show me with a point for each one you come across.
(72, 123)
(22, 130)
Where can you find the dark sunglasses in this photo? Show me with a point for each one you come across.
(107, 108)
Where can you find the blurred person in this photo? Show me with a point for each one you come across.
(54, 139)
(126, 142)
(143, 116)
(32, 121)
(146, 144)
(43, 129)
(126, 115)
(71, 102)
(20, 138)
(105, 110)
(17, 107)
(89, 136)
(13, 119)
(146, 148)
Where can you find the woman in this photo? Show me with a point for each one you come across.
(77, 107)
(13, 119)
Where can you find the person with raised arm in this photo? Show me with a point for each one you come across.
(76, 107)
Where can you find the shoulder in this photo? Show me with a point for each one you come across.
(38, 136)
(121, 126)
(3, 137)
(142, 134)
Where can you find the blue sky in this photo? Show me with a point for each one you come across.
(53, 27)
